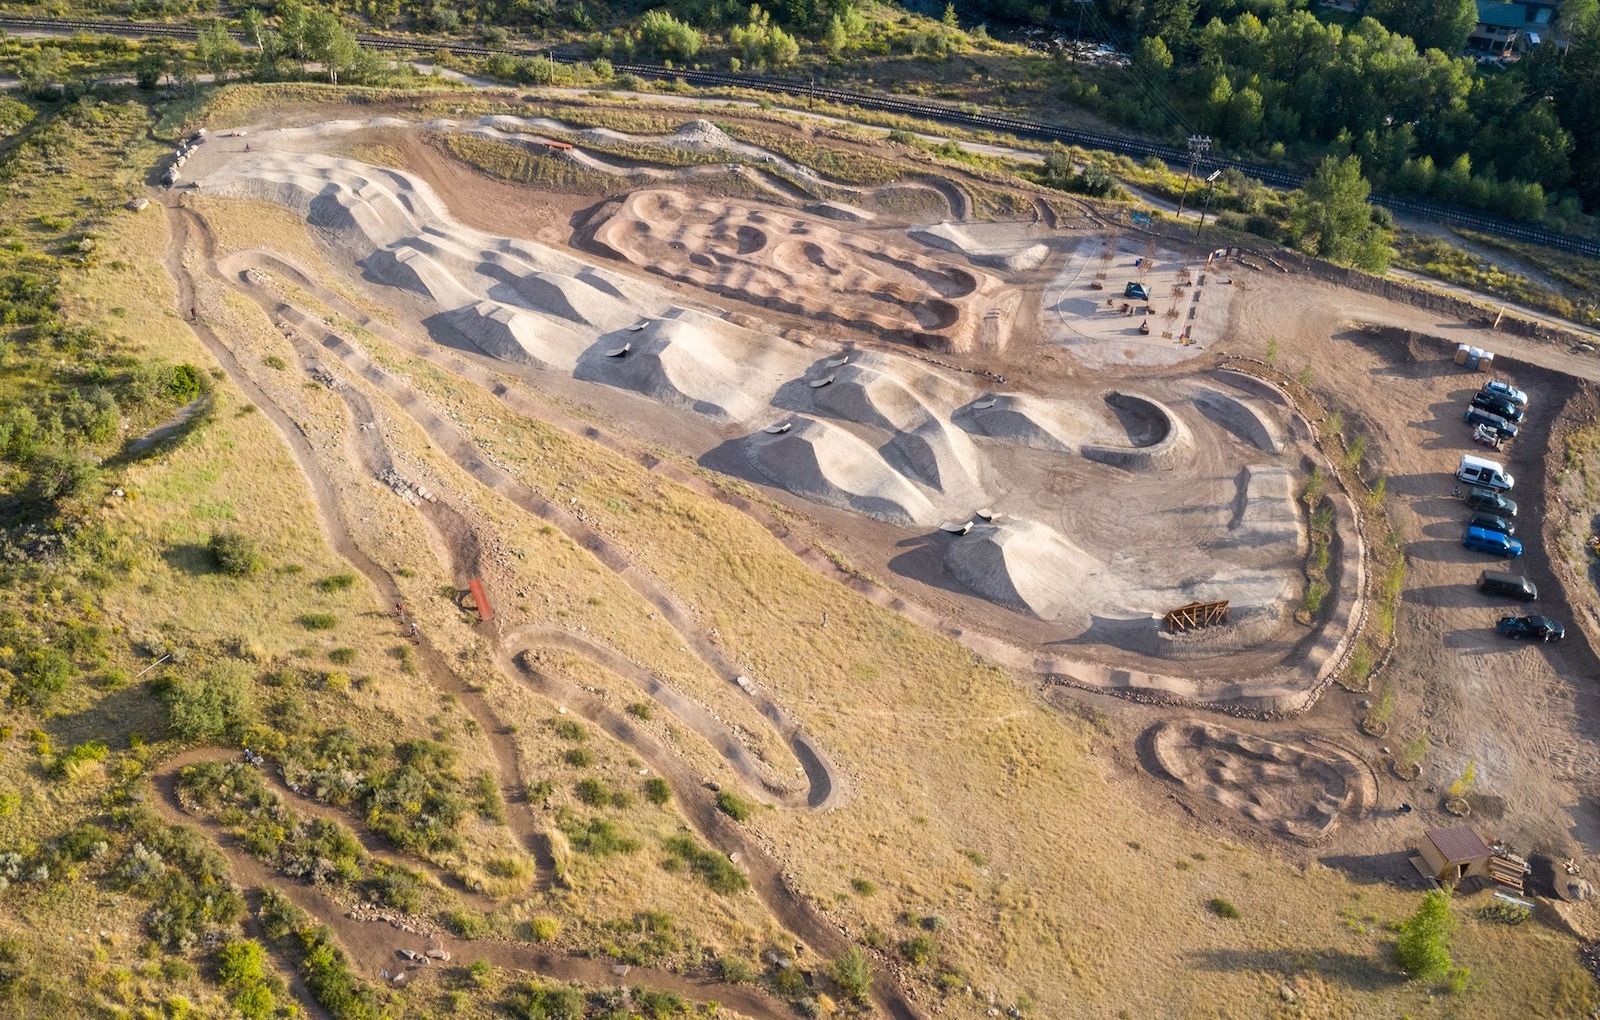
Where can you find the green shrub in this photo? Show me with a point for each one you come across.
(734, 970)
(658, 1005)
(640, 710)
(711, 866)
(491, 806)
(1223, 908)
(318, 621)
(544, 928)
(593, 792)
(1505, 913)
(853, 974)
(863, 886)
(598, 837)
(544, 1002)
(1316, 591)
(1423, 949)
(256, 1002)
(211, 706)
(342, 656)
(733, 806)
(235, 554)
(657, 791)
(580, 757)
(465, 924)
(70, 764)
(337, 582)
(571, 729)
(920, 949)
(241, 964)
(43, 674)
(184, 384)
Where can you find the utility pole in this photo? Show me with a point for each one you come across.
(1211, 183)
(1199, 145)
(1081, 5)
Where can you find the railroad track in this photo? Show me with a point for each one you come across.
(1272, 175)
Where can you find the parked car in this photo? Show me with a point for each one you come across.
(1477, 416)
(1492, 542)
(1489, 522)
(1479, 498)
(1505, 389)
(1497, 405)
(1531, 628)
(1483, 472)
(1515, 586)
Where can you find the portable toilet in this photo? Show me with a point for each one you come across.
(1486, 363)
(1461, 354)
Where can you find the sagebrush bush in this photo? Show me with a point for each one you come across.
(235, 553)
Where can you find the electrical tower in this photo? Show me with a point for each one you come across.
(1199, 145)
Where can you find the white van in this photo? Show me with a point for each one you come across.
(1478, 471)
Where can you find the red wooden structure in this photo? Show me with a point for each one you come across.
(479, 599)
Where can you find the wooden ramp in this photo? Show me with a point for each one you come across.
(1197, 615)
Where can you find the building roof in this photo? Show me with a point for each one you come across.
(1458, 843)
(1501, 15)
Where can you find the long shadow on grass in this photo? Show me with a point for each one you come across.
(1352, 970)
(190, 558)
(1392, 868)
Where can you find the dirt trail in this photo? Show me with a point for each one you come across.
(824, 791)
(370, 842)
(336, 533)
(766, 876)
(375, 946)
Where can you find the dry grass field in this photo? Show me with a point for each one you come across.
(581, 787)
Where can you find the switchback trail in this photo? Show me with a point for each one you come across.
(766, 877)
(375, 946)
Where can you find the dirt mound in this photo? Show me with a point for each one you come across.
(503, 332)
(830, 465)
(1025, 566)
(693, 361)
(1248, 418)
(839, 211)
(703, 136)
(1032, 421)
(1007, 252)
(878, 391)
(1298, 791)
(806, 266)
(1266, 514)
(1160, 440)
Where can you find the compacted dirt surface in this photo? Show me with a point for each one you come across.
(1162, 469)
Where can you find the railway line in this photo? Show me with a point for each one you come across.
(1137, 148)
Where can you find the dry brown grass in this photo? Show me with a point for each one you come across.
(974, 801)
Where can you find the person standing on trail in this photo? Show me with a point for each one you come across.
(413, 630)
(194, 313)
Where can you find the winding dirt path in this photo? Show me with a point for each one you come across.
(766, 876)
(374, 946)
(823, 789)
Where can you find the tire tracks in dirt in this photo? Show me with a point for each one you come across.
(767, 879)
